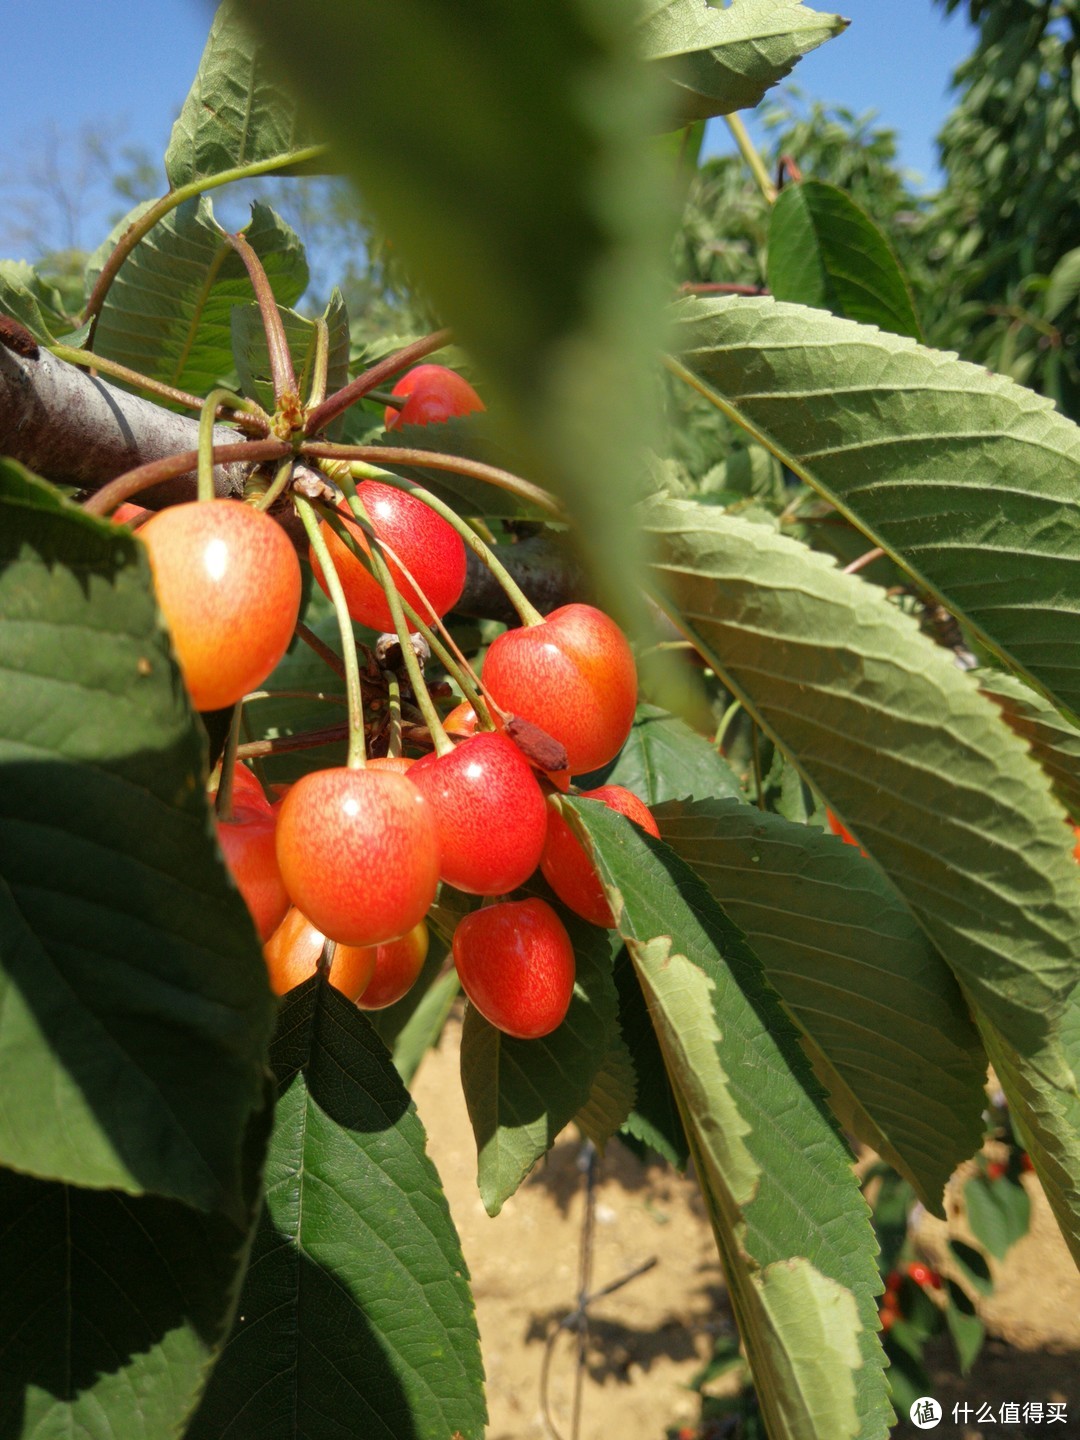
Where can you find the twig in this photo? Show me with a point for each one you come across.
(369, 379)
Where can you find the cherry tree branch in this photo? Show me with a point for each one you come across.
(76, 429)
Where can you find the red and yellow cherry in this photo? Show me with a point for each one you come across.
(228, 582)
(292, 954)
(490, 812)
(421, 541)
(923, 1275)
(1076, 847)
(435, 395)
(461, 720)
(397, 965)
(359, 853)
(516, 964)
(247, 793)
(567, 868)
(574, 676)
(247, 842)
(128, 514)
(400, 764)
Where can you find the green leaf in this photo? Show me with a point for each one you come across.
(168, 312)
(717, 59)
(791, 1225)
(521, 1093)
(1064, 285)
(25, 297)
(411, 1026)
(252, 358)
(655, 1118)
(611, 1099)
(112, 1309)
(535, 218)
(826, 252)
(966, 1330)
(238, 115)
(1044, 1105)
(664, 759)
(136, 1011)
(890, 1036)
(998, 1212)
(967, 480)
(901, 744)
(355, 1317)
(1054, 741)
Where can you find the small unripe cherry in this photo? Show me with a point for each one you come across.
(516, 964)
(435, 395)
(489, 810)
(292, 954)
(228, 583)
(359, 853)
(573, 675)
(431, 550)
(397, 965)
(248, 843)
(566, 866)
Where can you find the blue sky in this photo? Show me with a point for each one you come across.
(124, 66)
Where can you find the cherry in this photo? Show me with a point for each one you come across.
(462, 720)
(248, 844)
(996, 1170)
(247, 793)
(128, 514)
(228, 582)
(516, 965)
(566, 866)
(435, 395)
(397, 965)
(490, 812)
(401, 764)
(573, 675)
(1076, 847)
(430, 549)
(359, 853)
(292, 954)
(840, 829)
(893, 1281)
(923, 1276)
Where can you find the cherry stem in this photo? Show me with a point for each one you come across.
(393, 700)
(443, 744)
(514, 593)
(356, 752)
(334, 405)
(253, 418)
(316, 392)
(386, 397)
(206, 438)
(281, 366)
(279, 484)
(171, 467)
(223, 803)
(452, 661)
(331, 658)
(748, 151)
(381, 455)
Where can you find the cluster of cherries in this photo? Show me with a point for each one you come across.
(892, 1306)
(346, 863)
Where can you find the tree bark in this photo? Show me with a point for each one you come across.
(75, 429)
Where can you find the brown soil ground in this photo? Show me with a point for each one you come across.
(649, 1339)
